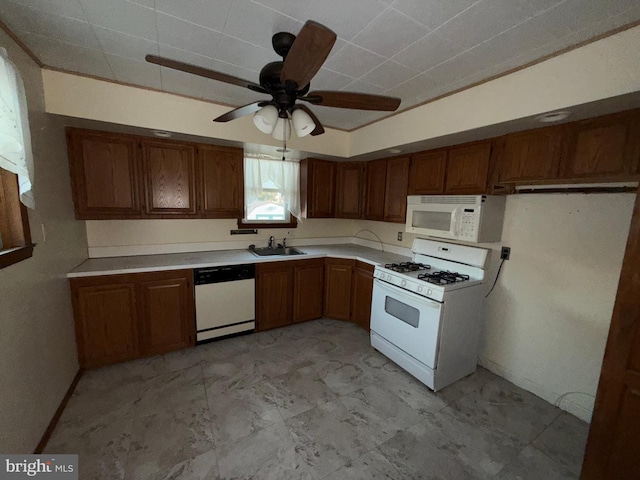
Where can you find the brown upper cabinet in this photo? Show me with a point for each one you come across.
(602, 147)
(105, 175)
(221, 181)
(350, 191)
(170, 179)
(119, 176)
(531, 155)
(427, 172)
(317, 188)
(375, 190)
(395, 195)
(468, 168)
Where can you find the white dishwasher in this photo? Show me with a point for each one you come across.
(225, 300)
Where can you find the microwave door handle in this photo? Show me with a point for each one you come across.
(454, 223)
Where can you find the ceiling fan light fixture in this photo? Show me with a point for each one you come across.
(282, 130)
(303, 124)
(266, 119)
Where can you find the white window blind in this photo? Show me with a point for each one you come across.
(260, 173)
(15, 138)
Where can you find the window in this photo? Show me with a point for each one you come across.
(16, 166)
(272, 193)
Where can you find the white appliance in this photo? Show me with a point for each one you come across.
(225, 301)
(471, 218)
(426, 314)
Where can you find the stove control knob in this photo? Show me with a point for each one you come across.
(429, 291)
(419, 289)
(404, 283)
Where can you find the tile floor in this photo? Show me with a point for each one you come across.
(310, 401)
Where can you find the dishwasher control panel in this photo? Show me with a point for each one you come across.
(227, 273)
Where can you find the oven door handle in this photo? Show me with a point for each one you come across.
(400, 292)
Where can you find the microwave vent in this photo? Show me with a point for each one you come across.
(451, 199)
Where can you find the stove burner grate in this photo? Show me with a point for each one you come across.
(443, 277)
(404, 267)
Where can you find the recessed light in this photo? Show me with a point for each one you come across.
(553, 116)
(394, 150)
(161, 133)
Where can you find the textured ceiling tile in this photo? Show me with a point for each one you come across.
(359, 86)
(580, 14)
(432, 13)
(123, 45)
(346, 18)
(413, 90)
(328, 80)
(292, 8)
(243, 54)
(135, 72)
(427, 52)
(256, 24)
(389, 74)
(457, 68)
(183, 83)
(201, 12)
(187, 36)
(354, 61)
(122, 16)
(68, 8)
(390, 33)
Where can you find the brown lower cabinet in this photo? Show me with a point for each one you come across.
(288, 292)
(338, 276)
(361, 292)
(123, 317)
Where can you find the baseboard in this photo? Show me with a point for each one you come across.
(559, 400)
(56, 416)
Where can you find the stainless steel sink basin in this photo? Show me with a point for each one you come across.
(269, 252)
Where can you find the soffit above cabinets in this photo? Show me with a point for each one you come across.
(411, 49)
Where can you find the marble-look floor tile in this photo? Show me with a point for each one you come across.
(532, 464)
(242, 411)
(171, 391)
(425, 452)
(466, 385)
(278, 360)
(503, 407)
(299, 391)
(234, 372)
(564, 441)
(278, 336)
(181, 359)
(343, 375)
(202, 467)
(371, 466)
(225, 348)
(269, 454)
(327, 438)
(379, 413)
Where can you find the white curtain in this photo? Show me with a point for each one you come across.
(15, 139)
(285, 175)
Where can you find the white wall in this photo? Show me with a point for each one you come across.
(37, 344)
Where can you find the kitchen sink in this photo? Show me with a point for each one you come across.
(269, 252)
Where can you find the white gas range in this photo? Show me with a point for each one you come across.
(426, 314)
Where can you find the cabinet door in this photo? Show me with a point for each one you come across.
(361, 294)
(318, 182)
(426, 174)
(308, 289)
(468, 169)
(395, 196)
(169, 171)
(274, 295)
(601, 147)
(106, 321)
(376, 185)
(337, 288)
(221, 181)
(531, 155)
(350, 190)
(104, 175)
(166, 311)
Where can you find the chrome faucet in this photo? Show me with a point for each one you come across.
(283, 244)
(271, 242)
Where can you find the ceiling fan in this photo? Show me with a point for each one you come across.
(288, 81)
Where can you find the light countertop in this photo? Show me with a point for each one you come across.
(176, 261)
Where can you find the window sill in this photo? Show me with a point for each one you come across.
(15, 255)
(292, 224)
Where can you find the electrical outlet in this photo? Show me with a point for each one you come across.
(505, 253)
(399, 236)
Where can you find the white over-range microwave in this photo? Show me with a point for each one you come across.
(469, 218)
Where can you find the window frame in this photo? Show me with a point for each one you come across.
(14, 221)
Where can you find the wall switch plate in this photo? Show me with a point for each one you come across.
(505, 253)
(399, 236)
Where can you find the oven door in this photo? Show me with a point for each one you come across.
(407, 320)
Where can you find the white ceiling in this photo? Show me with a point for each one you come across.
(412, 49)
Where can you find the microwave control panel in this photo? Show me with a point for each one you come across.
(469, 223)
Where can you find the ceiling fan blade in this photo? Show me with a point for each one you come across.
(204, 72)
(240, 111)
(319, 130)
(307, 54)
(358, 101)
